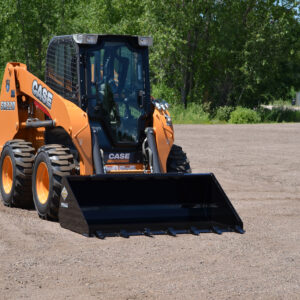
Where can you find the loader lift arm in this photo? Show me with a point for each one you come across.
(26, 91)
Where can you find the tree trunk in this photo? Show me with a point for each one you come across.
(187, 73)
(19, 10)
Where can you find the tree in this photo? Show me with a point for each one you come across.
(213, 52)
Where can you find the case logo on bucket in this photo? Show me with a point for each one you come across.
(122, 156)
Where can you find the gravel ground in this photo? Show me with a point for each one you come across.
(259, 168)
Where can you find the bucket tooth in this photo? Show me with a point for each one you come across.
(216, 230)
(171, 231)
(124, 234)
(147, 232)
(100, 235)
(194, 230)
(239, 229)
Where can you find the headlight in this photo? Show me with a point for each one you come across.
(145, 41)
(85, 38)
(161, 105)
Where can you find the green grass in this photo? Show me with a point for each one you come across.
(279, 115)
(194, 114)
(282, 103)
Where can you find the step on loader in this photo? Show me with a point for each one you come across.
(91, 148)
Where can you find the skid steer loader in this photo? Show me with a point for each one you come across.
(90, 147)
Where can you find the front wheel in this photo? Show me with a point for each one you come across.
(51, 164)
(15, 173)
(177, 161)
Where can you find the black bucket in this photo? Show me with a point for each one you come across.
(114, 204)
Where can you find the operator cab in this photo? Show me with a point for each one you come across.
(108, 77)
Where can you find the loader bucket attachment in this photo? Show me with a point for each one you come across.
(124, 205)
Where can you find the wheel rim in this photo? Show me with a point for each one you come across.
(7, 174)
(42, 183)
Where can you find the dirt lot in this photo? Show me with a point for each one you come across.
(259, 169)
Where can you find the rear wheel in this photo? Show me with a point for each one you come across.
(15, 173)
(51, 164)
(177, 161)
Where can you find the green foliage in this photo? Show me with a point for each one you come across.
(1, 75)
(279, 115)
(243, 115)
(223, 113)
(217, 53)
(282, 102)
(226, 52)
(194, 114)
(162, 91)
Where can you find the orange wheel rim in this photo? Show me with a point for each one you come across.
(42, 183)
(7, 174)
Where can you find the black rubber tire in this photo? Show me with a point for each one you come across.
(60, 163)
(21, 154)
(177, 161)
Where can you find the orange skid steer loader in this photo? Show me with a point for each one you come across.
(91, 148)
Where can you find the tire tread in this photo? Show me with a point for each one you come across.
(62, 164)
(24, 156)
(177, 161)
